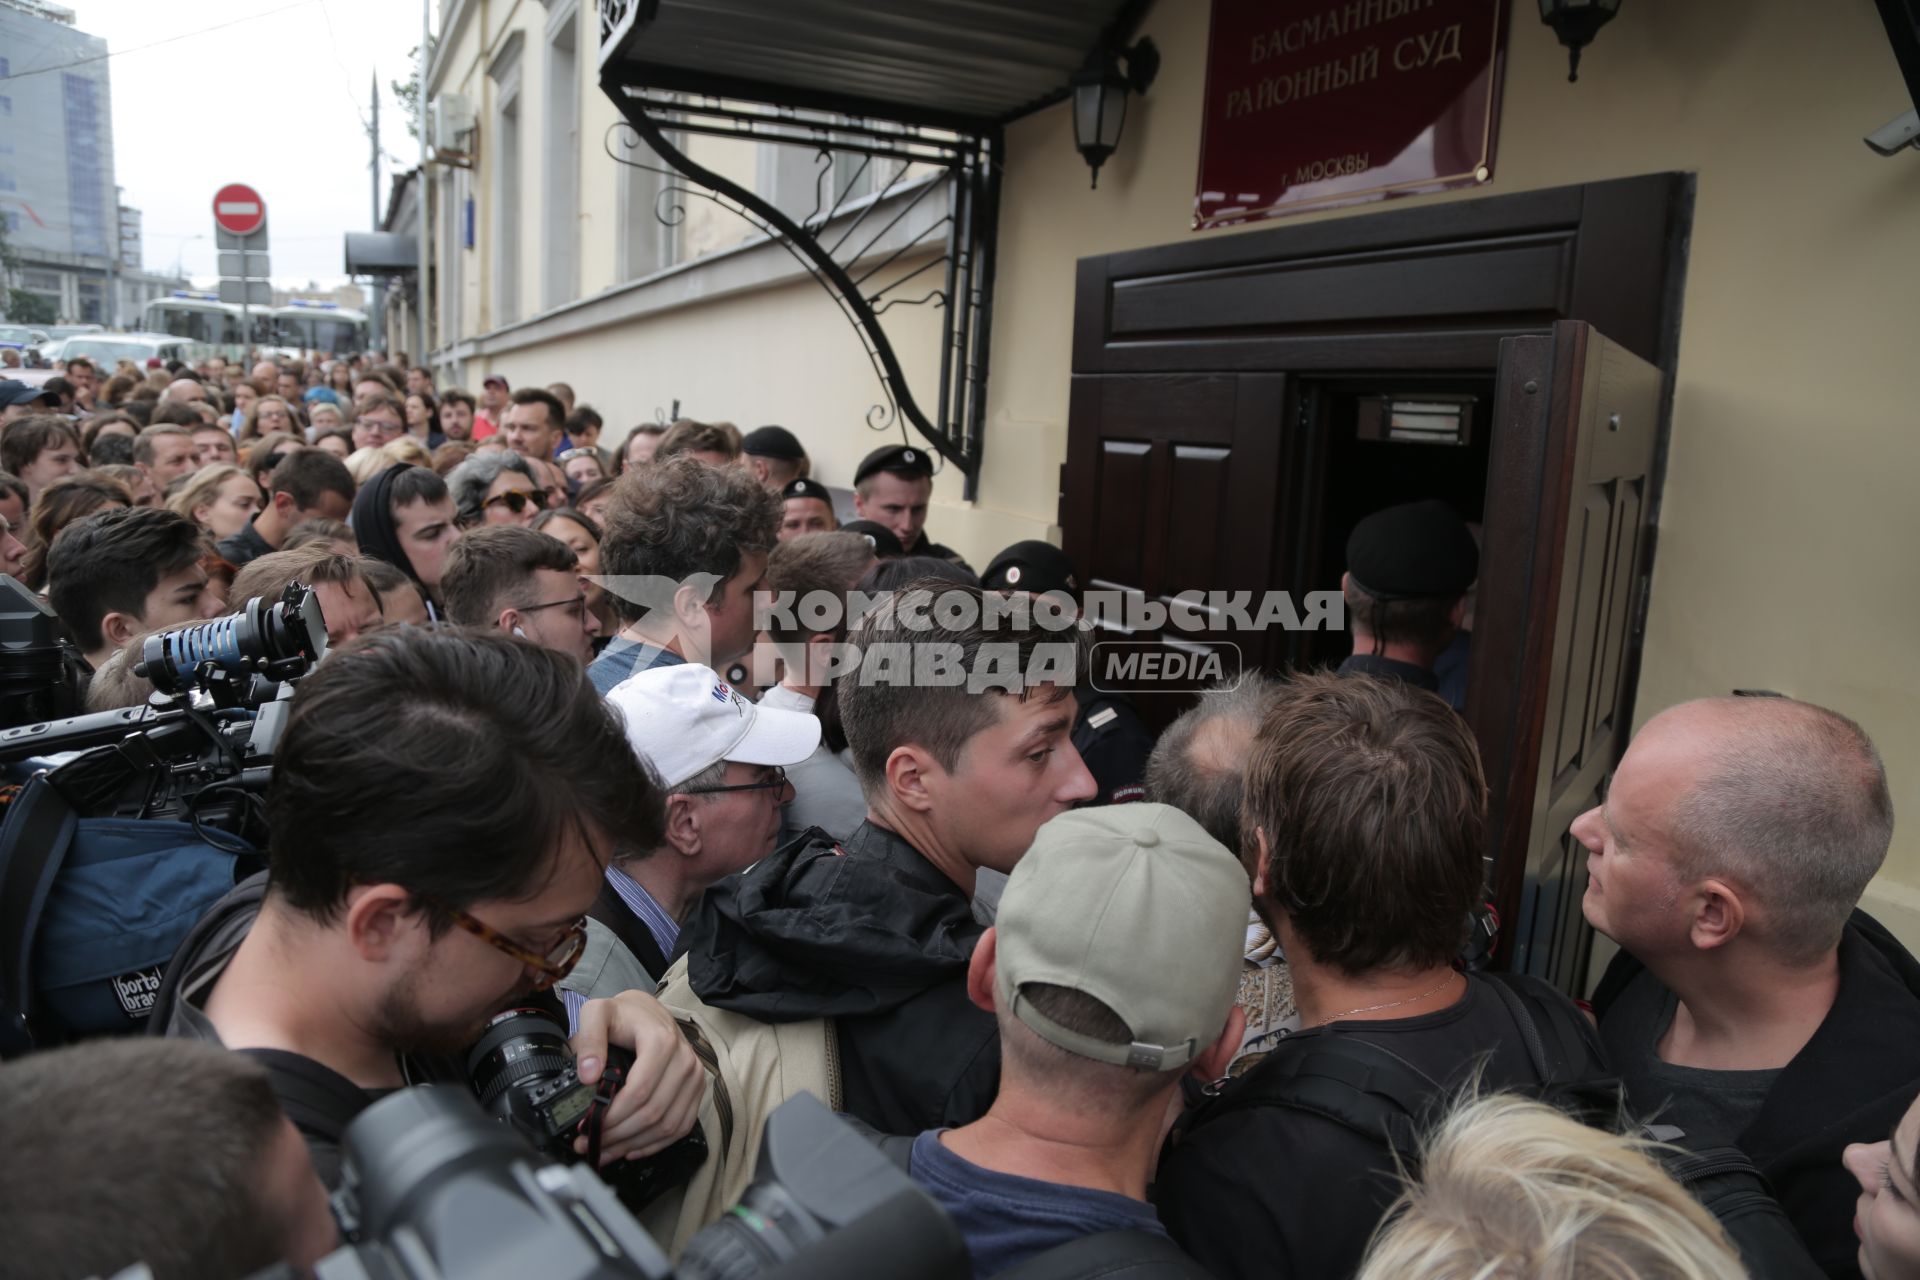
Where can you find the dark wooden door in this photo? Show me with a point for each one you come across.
(1568, 533)
(1180, 494)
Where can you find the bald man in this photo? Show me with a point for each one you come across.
(1753, 1004)
(184, 389)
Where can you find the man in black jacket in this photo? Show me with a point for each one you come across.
(876, 931)
(1753, 1005)
(1364, 817)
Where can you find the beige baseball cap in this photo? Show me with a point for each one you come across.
(1138, 907)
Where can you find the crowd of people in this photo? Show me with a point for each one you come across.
(1192, 1002)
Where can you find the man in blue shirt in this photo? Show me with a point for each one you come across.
(686, 545)
(1111, 970)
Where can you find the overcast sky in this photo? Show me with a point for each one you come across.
(274, 100)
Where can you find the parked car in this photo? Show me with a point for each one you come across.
(106, 349)
(20, 336)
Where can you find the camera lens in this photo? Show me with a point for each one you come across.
(764, 1230)
(522, 1047)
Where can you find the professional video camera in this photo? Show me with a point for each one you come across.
(205, 737)
(96, 904)
(433, 1188)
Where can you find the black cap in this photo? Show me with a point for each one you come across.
(1420, 550)
(773, 442)
(898, 459)
(885, 545)
(805, 488)
(1038, 567)
(14, 392)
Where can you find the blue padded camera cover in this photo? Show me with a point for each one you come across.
(128, 893)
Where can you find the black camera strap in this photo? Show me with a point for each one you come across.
(33, 847)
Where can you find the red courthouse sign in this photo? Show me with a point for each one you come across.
(1315, 103)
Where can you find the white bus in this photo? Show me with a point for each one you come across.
(202, 317)
(324, 327)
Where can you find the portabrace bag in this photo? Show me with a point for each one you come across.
(91, 910)
(752, 1068)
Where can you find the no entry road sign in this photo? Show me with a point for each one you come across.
(238, 208)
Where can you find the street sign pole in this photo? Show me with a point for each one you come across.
(241, 218)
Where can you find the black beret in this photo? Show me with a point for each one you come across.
(805, 488)
(899, 459)
(773, 442)
(1419, 550)
(1038, 567)
(885, 545)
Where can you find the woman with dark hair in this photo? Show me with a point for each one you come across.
(582, 533)
(106, 424)
(593, 498)
(268, 452)
(423, 419)
(61, 503)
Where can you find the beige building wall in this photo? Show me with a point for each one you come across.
(1785, 551)
(1786, 548)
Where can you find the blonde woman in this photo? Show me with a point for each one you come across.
(221, 499)
(369, 462)
(1511, 1189)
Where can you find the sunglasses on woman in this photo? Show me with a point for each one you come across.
(516, 501)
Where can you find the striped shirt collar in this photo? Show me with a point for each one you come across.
(664, 928)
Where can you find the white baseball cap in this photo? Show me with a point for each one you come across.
(683, 718)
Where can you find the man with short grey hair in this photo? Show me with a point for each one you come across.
(721, 760)
(1111, 975)
(1199, 767)
(1753, 1004)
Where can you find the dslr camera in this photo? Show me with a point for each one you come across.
(435, 1189)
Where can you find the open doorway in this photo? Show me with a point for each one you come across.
(1386, 440)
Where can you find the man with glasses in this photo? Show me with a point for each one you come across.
(722, 760)
(524, 583)
(442, 808)
(378, 418)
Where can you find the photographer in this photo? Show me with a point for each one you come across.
(442, 809)
(208, 1179)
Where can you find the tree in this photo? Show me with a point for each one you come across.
(22, 307)
(30, 308)
(407, 92)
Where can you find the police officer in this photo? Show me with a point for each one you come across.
(893, 486)
(806, 507)
(1107, 732)
(775, 456)
(1409, 569)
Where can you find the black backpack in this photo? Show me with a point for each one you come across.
(1366, 1087)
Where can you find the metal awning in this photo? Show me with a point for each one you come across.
(957, 64)
(381, 253)
(901, 84)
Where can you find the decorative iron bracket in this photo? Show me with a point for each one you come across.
(852, 268)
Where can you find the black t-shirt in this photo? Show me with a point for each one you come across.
(1712, 1108)
(1272, 1191)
